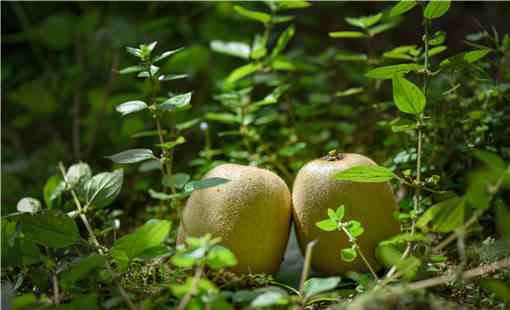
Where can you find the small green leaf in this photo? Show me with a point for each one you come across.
(332, 214)
(131, 107)
(242, 72)
(177, 180)
(347, 34)
(463, 59)
(365, 173)
(438, 38)
(436, 50)
(406, 237)
(176, 102)
(407, 96)
(340, 213)
(102, 189)
(205, 183)
(226, 118)
(150, 235)
(364, 22)
(348, 254)
(258, 16)
(171, 144)
(388, 72)
(237, 49)
(53, 188)
(259, 48)
(350, 92)
(132, 156)
(50, 229)
(291, 4)
(354, 228)
(220, 257)
(132, 69)
(316, 286)
(350, 56)
(402, 7)
(283, 40)
(167, 54)
(271, 298)
(436, 8)
(327, 225)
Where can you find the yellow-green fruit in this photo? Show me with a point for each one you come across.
(372, 204)
(251, 214)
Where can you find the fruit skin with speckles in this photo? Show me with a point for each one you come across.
(251, 214)
(372, 204)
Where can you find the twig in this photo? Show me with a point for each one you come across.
(472, 273)
(194, 283)
(54, 281)
(306, 266)
(365, 260)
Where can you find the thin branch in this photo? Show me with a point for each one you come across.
(194, 284)
(472, 273)
(306, 265)
(365, 260)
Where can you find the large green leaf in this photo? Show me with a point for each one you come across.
(131, 107)
(407, 96)
(150, 235)
(81, 268)
(316, 286)
(50, 229)
(366, 174)
(402, 7)
(242, 72)
(444, 216)
(258, 16)
(132, 156)
(237, 49)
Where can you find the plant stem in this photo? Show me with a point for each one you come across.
(194, 283)
(306, 266)
(475, 272)
(365, 260)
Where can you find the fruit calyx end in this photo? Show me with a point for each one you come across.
(333, 155)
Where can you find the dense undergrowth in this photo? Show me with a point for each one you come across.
(437, 122)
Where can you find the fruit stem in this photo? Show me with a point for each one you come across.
(333, 155)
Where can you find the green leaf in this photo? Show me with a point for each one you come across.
(409, 267)
(364, 22)
(242, 72)
(132, 69)
(340, 213)
(103, 188)
(177, 180)
(28, 205)
(78, 173)
(259, 48)
(382, 28)
(463, 59)
(237, 49)
(176, 102)
(316, 286)
(366, 174)
(291, 4)
(388, 72)
(436, 50)
(281, 19)
(444, 216)
(202, 287)
(354, 228)
(405, 238)
(50, 229)
(205, 183)
(81, 268)
(220, 257)
(52, 190)
(130, 246)
(436, 8)
(171, 77)
(271, 298)
(348, 254)
(401, 52)
(492, 160)
(226, 118)
(500, 289)
(131, 107)
(327, 225)
(258, 16)
(160, 195)
(438, 38)
(407, 96)
(347, 34)
(350, 56)
(171, 144)
(350, 92)
(167, 54)
(283, 40)
(402, 7)
(332, 214)
(132, 156)
(188, 124)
